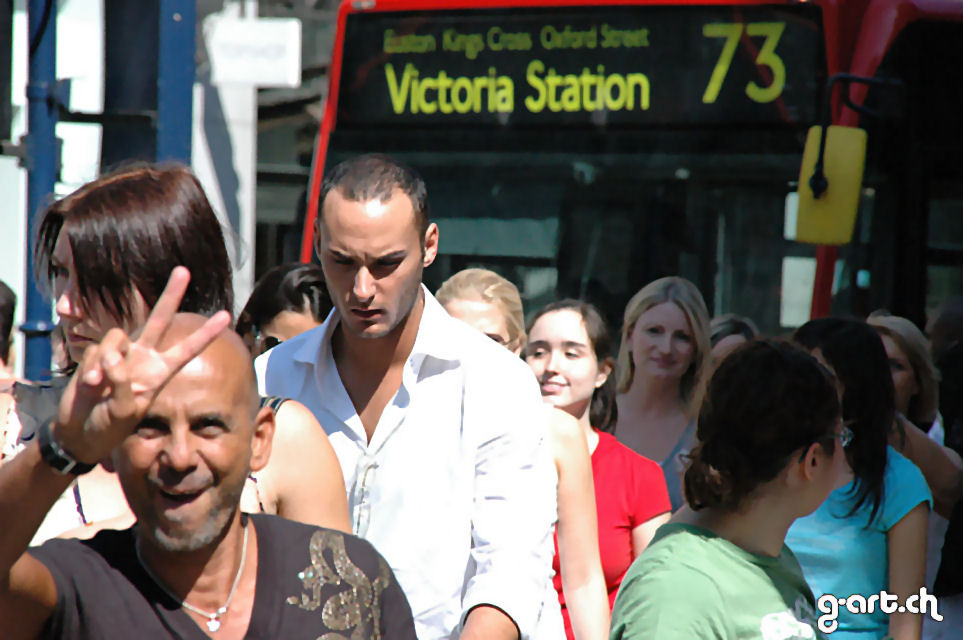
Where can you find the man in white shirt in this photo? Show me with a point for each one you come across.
(437, 428)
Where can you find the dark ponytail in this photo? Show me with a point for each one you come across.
(604, 412)
(856, 353)
(765, 401)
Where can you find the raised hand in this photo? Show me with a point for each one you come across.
(120, 377)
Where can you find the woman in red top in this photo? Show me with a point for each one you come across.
(569, 350)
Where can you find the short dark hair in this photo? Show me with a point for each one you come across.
(731, 324)
(8, 305)
(375, 177)
(856, 352)
(603, 411)
(293, 286)
(129, 229)
(766, 399)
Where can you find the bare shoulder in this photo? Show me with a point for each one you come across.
(303, 475)
(294, 418)
(297, 434)
(567, 441)
(563, 428)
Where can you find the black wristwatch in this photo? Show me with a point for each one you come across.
(55, 455)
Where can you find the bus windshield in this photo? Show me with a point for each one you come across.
(585, 152)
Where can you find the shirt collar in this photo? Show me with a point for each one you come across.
(317, 342)
(433, 338)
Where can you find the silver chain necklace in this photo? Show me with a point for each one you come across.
(213, 618)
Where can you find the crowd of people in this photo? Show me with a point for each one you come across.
(353, 456)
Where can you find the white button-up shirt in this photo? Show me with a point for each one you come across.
(456, 488)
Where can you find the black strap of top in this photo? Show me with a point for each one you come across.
(274, 402)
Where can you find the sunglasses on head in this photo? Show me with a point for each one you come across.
(264, 343)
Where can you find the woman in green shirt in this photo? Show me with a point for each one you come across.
(770, 450)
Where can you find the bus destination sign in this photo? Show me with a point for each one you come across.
(628, 66)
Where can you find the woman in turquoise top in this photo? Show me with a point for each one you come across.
(870, 535)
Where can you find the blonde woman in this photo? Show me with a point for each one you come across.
(491, 304)
(660, 374)
(915, 378)
(916, 384)
(488, 302)
(916, 387)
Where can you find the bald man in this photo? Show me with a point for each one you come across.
(175, 413)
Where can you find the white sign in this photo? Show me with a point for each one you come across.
(264, 52)
(798, 279)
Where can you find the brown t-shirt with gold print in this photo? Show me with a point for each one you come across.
(310, 582)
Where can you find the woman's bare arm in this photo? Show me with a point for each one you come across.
(583, 582)
(906, 545)
(303, 475)
(642, 535)
(941, 466)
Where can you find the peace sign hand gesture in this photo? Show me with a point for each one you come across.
(120, 377)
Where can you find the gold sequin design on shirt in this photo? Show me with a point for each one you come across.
(357, 609)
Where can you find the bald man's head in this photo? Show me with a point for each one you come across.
(184, 466)
(226, 358)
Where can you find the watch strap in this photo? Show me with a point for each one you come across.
(56, 456)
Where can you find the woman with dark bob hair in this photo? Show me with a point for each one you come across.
(128, 230)
(107, 251)
(728, 331)
(289, 299)
(770, 450)
(870, 535)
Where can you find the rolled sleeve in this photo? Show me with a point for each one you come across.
(514, 508)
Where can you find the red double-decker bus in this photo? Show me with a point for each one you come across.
(584, 149)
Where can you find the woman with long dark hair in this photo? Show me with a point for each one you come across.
(869, 535)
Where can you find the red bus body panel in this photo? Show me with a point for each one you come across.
(873, 29)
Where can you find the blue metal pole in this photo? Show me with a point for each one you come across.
(42, 165)
(175, 79)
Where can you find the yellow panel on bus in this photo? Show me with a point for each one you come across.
(830, 219)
